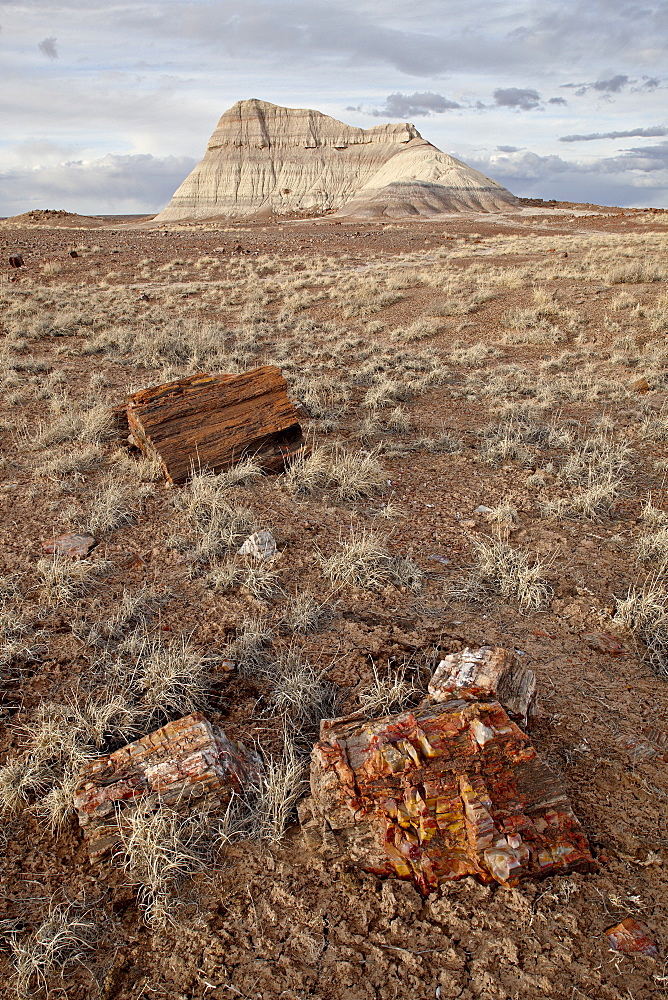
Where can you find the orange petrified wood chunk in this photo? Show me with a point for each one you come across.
(185, 760)
(212, 421)
(449, 790)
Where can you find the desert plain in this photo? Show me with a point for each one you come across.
(485, 399)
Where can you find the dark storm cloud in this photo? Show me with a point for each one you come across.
(655, 130)
(516, 97)
(414, 105)
(49, 48)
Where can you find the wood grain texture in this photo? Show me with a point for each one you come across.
(212, 421)
(187, 759)
(450, 790)
(485, 673)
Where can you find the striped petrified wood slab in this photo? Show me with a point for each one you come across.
(450, 790)
(485, 674)
(212, 421)
(187, 759)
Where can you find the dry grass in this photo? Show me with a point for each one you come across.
(162, 848)
(271, 797)
(61, 579)
(112, 506)
(63, 940)
(350, 475)
(299, 693)
(304, 614)
(395, 691)
(509, 572)
(363, 560)
(644, 614)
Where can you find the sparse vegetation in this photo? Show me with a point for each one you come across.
(363, 560)
(477, 401)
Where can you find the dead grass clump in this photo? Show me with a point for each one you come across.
(250, 648)
(300, 693)
(304, 614)
(501, 569)
(598, 455)
(58, 744)
(62, 579)
(596, 499)
(111, 507)
(272, 796)
(261, 580)
(71, 463)
(352, 475)
(364, 561)
(71, 422)
(215, 524)
(396, 691)
(160, 850)
(163, 680)
(644, 614)
(244, 473)
(61, 941)
(635, 272)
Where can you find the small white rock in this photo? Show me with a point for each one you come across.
(261, 544)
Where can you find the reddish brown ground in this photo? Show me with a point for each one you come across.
(279, 922)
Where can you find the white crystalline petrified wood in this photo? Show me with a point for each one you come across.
(450, 790)
(488, 672)
(185, 760)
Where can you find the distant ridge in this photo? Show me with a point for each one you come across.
(266, 160)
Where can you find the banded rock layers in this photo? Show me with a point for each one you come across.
(263, 159)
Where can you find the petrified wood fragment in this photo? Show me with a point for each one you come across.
(631, 938)
(451, 790)
(212, 421)
(76, 546)
(488, 672)
(16, 260)
(187, 759)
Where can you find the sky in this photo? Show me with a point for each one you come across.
(107, 105)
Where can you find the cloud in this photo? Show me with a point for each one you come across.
(613, 85)
(48, 47)
(516, 97)
(413, 106)
(610, 85)
(557, 100)
(508, 149)
(124, 184)
(654, 130)
(637, 177)
(646, 159)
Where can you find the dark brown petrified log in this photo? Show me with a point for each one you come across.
(187, 759)
(450, 790)
(485, 673)
(212, 421)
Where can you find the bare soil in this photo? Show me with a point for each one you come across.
(277, 921)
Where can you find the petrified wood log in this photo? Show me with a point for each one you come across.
(488, 672)
(212, 421)
(451, 790)
(185, 760)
